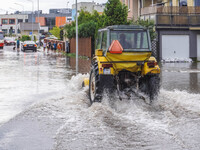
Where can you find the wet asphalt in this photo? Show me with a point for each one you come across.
(42, 106)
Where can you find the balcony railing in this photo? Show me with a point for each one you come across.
(170, 10)
(183, 20)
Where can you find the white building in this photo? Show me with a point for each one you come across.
(29, 28)
(87, 6)
(9, 22)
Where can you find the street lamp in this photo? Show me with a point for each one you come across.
(76, 39)
(38, 25)
(23, 11)
(32, 17)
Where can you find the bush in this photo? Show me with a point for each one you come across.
(87, 29)
(56, 32)
(25, 38)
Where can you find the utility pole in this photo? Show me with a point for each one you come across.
(76, 39)
(38, 25)
(32, 17)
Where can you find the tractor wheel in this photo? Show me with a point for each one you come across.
(95, 90)
(153, 86)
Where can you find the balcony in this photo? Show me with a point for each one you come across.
(170, 10)
(174, 16)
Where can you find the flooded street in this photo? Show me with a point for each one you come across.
(43, 107)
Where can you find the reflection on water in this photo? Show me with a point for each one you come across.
(1, 54)
(181, 76)
(194, 86)
(83, 64)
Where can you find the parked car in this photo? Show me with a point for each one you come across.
(29, 45)
(9, 41)
(1, 44)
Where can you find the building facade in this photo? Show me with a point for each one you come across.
(27, 28)
(87, 6)
(9, 22)
(177, 24)
(56, 17)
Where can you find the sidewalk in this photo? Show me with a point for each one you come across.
(40, 49)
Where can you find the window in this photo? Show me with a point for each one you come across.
(182, 2)
(128, 4)
(5, 31)
(26, 20)
(11, 21)
(41, 31)
(98, 41)
(170, 3)
(4, 21)
(50, 22)
(131, 40)
(104, 41)
(20, 20)
(196, 2)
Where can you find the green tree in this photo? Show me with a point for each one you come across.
(116, 13)
(149, 24)
(88, 24)
(70, 30)
(56, 32)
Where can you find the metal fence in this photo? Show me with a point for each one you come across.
(155, 49)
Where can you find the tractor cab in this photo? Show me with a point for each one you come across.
(128, 39)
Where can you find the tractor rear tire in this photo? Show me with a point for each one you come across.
(153, 86)
(95, 90)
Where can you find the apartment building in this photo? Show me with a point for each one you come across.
(9, 22)
(19, 21)
(177, 24)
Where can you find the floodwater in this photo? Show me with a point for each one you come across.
(43, 107)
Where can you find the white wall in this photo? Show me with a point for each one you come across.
(46, 29)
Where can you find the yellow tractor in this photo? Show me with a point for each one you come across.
(123, 62)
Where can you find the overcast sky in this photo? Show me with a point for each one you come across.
(44, 5)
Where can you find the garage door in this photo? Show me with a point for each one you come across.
(198, 47)
(175, 47)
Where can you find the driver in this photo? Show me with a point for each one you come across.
(122, 39)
